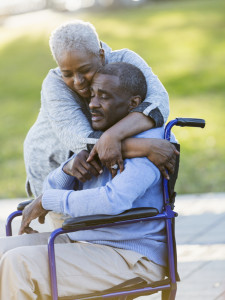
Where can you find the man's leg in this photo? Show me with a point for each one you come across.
(11, 242)
(81, 268)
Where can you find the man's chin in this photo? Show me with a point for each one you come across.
(97, 126)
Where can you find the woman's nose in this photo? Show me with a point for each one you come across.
(78, 79)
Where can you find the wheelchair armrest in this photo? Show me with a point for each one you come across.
(135, 213)
(23, 204)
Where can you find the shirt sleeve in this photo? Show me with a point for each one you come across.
(67, 113)
(156, 103)
(116, 196)
(58, 179)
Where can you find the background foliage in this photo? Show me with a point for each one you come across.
(183, 42)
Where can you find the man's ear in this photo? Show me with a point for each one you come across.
(102, 56)
(134, 102)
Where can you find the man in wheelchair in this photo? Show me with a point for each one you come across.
(92, 260)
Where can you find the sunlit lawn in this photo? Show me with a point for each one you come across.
(184, 43)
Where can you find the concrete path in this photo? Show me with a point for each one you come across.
(200, 233)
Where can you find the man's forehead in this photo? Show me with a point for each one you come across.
(105, 80)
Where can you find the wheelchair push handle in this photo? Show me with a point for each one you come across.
(190, 122)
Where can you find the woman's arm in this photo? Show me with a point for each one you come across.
(108, 146)
(111, 150)
(159, 151)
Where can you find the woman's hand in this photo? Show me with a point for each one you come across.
(108, 149)
(81, 169)
(163, 154)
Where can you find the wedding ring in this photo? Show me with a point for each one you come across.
(115, 167)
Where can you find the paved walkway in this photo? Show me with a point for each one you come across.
(200, 232)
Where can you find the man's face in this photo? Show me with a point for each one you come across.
(108, 103)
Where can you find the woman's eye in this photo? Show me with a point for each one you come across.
(84, 71)
(67, 75)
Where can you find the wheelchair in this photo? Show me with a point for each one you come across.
(136, 287)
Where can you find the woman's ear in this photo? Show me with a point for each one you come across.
(102, 56)
(134, 102)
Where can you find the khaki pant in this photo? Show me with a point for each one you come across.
(81, 267)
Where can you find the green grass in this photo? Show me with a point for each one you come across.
(183, 42)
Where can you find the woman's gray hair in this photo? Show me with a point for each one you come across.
(71, 36)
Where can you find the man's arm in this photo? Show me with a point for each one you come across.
(55, 180)
(115, 197)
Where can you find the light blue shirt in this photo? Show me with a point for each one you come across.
(139, 185)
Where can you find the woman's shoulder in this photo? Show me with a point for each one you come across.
(53, 84)
(54, 75)
(115, 55)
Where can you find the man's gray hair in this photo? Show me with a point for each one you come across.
(72, 36)
(132, 80)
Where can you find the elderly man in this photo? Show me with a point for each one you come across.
(109, 256)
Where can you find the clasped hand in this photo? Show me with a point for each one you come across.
(109, 151)
(81, 169)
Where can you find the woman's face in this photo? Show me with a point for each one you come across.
(78, 69)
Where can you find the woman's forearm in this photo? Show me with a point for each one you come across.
(132, 124)
(136, 147)
(109, 146)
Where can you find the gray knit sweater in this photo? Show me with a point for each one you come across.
(63, 123)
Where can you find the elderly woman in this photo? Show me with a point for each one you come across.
(63, 123)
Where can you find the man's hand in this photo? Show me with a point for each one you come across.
(163, 155)
(108, 149)
(32, 211)
(81, 169)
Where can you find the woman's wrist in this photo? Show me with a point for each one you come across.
(136, 147)
(113, 134)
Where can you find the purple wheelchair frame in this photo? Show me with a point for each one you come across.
(168, 288)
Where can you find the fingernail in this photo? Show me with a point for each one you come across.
(101, 171)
